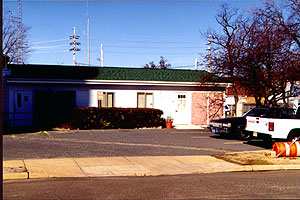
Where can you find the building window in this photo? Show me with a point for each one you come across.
(19, 100)
(105, 99)
(181, 102)
(145, 100)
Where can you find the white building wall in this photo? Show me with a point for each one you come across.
(163, 100)
(125, 98)
(166, 100)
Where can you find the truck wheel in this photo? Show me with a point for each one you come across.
(293, 135)
(242, 134)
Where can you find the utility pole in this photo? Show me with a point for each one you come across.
(74, 37)
(196, 64)
(208, 94)
(102, 61)
(209, 54)
(88, 30)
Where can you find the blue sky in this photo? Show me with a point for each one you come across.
(133, 33)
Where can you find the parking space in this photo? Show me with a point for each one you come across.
(111, 143)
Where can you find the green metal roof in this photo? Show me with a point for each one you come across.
(108, 73)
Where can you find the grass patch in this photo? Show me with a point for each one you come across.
(258, 158)
(244, 159)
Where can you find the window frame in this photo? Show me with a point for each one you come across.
(105, 96)
(145, 99)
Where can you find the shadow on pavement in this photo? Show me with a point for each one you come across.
(260, 143)
(223, 137)
(255, 142)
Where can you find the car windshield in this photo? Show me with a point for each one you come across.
(255, 112)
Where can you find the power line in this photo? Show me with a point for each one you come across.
(155, 42)
(47, 41)
(45, 47)
(48, 52)
(116, 0)
(185, 53)
(139, 47)
(187, 66)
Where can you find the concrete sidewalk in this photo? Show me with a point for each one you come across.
(125, 166)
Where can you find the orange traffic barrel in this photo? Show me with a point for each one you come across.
(286, 149)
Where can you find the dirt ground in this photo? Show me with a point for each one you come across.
(259, 158)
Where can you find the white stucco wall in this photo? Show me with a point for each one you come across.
(164, 98)
(125, 98)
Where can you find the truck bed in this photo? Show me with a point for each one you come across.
(275, 127)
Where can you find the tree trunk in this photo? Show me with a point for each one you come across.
(236, 97)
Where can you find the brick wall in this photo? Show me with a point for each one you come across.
(199, 107)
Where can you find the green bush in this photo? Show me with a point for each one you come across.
(114, 118)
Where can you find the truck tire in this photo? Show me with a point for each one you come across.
(242, 134)
(293, 135)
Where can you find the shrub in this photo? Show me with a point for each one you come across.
(114, 118)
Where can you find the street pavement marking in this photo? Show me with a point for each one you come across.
(201, 137)
(27, 135)
(188, 132)
(48, 134)
(240, 142)
(135, 144)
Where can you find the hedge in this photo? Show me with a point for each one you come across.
(114, 118)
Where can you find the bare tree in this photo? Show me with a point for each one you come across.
(285, 16)
(274, 47)
(151, 65)
(15, 39)
(257, 53)
(162, 64)
(264, 67)
(227, 47)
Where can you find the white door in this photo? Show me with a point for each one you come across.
(22, 111)
(182, 108)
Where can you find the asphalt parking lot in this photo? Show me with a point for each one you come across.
(114, 143)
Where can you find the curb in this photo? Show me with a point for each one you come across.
(126, 166)
(245, 168)
(274, 167)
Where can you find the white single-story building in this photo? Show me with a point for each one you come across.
(32, 92)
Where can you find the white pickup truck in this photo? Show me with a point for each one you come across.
(287, 127)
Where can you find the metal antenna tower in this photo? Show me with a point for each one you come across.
(88, 30)
(19, 34)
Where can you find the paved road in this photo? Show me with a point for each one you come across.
(242, 185)
(109, 143)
